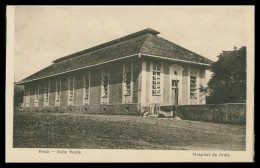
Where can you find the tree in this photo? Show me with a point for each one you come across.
(228, 82)
(18, 95)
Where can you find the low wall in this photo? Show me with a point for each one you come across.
(234, 113)
(116, 109)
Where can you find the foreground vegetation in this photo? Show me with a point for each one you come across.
(49, 130)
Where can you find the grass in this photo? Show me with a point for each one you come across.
(41, 130)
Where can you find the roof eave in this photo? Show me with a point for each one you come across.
(177, 60)
(138, 54)
(23, 82)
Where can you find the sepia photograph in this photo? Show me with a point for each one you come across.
(135, 80)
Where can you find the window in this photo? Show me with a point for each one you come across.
(156, 79)
(175, 72)
(127, 80)
(175, 83)
(71, 87)
(193, 87)
(58, 88)
(86, 85)
(46, 92)
(36, 93)
(104, 83)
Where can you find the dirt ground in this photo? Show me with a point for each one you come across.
(82, 131)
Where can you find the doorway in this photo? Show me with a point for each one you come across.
(175, 84)
(174, 92)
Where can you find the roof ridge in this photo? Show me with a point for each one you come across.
(109, 43)
(140, 50)
(104, 48)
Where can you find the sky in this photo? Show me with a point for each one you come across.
(46, 33)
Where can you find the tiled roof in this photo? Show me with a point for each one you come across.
(158, 46)
(142, 42)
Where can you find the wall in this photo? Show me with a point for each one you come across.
(164, 98)
(95, 89)
(148, 83)
(185, 86)
(64, 91)
(41, 94)
(78, 89)
(31, 90)
(220, 113)
(136, 83)
(115, 93)
(149, 97)
(115, 83)
(52, 93)
(166, 83)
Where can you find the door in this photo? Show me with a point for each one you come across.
(174, 92)
(175, 84)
